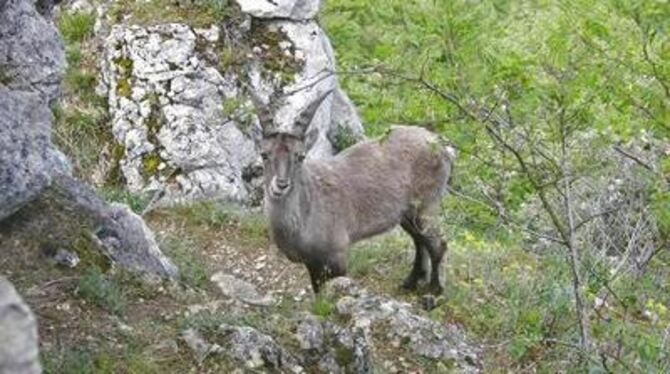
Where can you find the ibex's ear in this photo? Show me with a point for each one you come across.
(263, 111)
(307, 114)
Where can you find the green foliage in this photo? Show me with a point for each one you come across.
(102, 291)
(5, 77)
(323, 307)
(87, 361)
(198, 13)
(80, 127)
(593, 72)
(583, 58)
(76, 27)
(72, 362)
(344, 137)
(150, 163)
(137, 203)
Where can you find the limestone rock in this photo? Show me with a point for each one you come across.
(183, 118)
(119, 233)
(27, 157)
(166, 102)
(31, 54)
(241, 290)
(256, 350)
(198, 345)
(38, 198)
(292, 9)
(18, 333)
(401, 326)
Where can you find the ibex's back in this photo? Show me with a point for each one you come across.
(371, 186)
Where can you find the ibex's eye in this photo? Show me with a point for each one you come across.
(300, 156)
(265, 155)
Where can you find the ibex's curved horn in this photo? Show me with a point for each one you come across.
(307, 114)
(263, 111)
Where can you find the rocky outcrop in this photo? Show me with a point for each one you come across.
(298, 10)
(27, 157)
(32, 63)
(394, 324)
(180, 107)
(31, 54)
(39, 200)
(18, 333)
(256, 350)
(364, 332)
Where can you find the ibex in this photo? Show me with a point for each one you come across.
(318, 208)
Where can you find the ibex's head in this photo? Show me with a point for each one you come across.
(283, 152)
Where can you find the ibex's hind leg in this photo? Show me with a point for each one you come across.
(437, 247)
(412, 225)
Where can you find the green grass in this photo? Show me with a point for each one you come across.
(76, 27)
(137, 203)
(202, 13)
(81, 127)
(385, 256)
(322, 306)
(251, 225)
(520, 304)
(99, 289)
(87, 361)
(192, 268)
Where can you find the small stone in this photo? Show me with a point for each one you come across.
(196, 343)
(236, 288)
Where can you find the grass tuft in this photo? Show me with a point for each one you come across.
(76, 27)
(98, 289)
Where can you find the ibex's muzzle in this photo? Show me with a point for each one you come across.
(279, 187)
(282, 184)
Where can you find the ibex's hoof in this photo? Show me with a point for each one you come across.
(436, 289)
(410, 284)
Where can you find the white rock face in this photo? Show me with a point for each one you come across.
(166, 105)
(291, 9)
(183, 116)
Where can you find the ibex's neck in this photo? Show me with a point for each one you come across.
(288, 215)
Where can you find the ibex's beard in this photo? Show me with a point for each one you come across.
(276, 192)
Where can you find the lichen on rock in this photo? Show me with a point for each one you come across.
(197, 137)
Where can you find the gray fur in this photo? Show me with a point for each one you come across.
(318, 208)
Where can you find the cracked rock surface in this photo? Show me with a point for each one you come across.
(179, 99)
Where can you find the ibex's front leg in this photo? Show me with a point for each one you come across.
(321, 270)
(429, 246)
(421, 257)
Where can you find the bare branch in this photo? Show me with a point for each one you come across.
(633, 157)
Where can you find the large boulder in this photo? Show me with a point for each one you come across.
(166, 101)
(31, 54)
(179, 98)
(27, 157)
(39, 200)
(18, 333)
(32, 63)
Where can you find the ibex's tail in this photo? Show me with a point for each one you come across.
(449, 158)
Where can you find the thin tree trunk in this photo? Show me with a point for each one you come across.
(575, 259)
